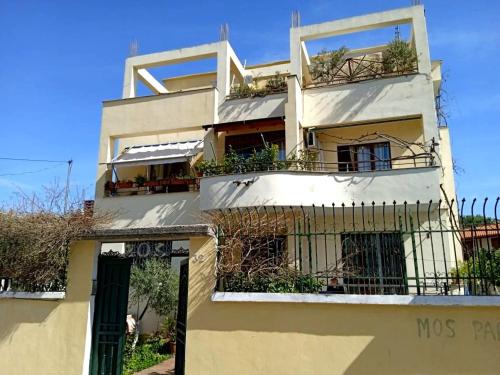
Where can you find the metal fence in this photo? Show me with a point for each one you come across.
(311, 164)
(431, 248)
(362, 68)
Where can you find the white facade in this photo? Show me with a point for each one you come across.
(396, 111)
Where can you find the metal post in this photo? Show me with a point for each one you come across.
(414, 248)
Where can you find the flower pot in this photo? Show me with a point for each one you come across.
(152, 183)
(124, 185)
(172, 347)
(178, 181)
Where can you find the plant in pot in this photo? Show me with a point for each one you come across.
(276, 84)
(139, 180)
(169, 328)
(399, 57)
(326, 65)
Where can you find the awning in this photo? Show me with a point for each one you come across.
(165, 153)
(255, 125)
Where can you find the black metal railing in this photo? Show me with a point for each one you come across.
(432, 248)
(361, 68)
(311, 164)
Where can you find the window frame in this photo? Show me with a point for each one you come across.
(353, 165)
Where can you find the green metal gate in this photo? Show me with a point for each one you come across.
(181, 318)
(110, 315)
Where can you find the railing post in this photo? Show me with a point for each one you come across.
(405, 277)
(414, 249)
(300, 247)
(309, 245)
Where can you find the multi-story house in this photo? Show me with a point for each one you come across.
(308, 204)
(365, 134)
(334, 163)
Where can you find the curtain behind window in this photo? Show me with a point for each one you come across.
(364, 158)
(382, 156)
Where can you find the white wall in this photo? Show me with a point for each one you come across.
(252, 108)
(378, 99)
(301, 188)
(152, 210)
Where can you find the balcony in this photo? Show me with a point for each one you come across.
(393, 97)
(159, 113)
(154, 210)
(296, 188)
(252, 108)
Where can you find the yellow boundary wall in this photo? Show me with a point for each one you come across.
(305, 338)
(48, 337)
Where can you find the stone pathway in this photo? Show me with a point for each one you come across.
(163, 368)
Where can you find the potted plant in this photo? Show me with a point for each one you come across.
(139, 180)
(170, 330)
(326, 65)
(399, 57)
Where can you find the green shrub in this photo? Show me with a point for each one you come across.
(148, 352)
(275, 84)
(484, 266)
(284, 282)
(263, 160)
(399, 57)
(326, 64)
(140, 180)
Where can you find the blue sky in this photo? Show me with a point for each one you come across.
(59, 59)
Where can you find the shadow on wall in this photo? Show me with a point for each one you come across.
(344, 103)
(153, 210)
(38, 320)
(229, 194)
(379, 340)
(331, 338)
(252, 108)
(16, 313)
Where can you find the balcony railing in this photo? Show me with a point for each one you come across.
(362, 68)
(431, 248)
(166, 185)
(311, 164)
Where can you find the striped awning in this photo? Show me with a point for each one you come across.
(164, 153)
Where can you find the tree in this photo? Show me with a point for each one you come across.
(325, 66)
(399, 57)
(472, 221)
(36, 232)
(155, 284)
(481, 271)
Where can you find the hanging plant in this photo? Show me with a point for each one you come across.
(327, 64)
(399, 57)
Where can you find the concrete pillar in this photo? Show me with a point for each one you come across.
(201, 284)
(293, 116)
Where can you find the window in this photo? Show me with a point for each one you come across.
(375, 263)
(364, 157)
(245, 144)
